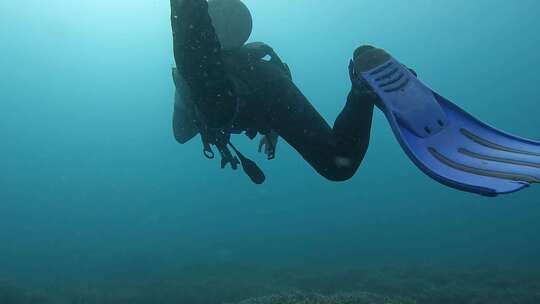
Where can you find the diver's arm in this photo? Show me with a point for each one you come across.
(198, 57)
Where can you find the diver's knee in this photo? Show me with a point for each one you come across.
(339, 176)
(341, 170)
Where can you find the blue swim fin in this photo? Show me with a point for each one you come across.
(444, 141)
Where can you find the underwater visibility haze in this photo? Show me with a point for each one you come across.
(100, 204)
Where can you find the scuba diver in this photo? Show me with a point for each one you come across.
(225, 86)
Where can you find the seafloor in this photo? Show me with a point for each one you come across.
(228, 283)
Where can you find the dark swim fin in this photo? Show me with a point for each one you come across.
(444, 141)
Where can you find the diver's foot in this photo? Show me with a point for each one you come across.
(362, 50)
(368, 57)
(365, 58)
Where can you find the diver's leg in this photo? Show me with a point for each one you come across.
(335, 153)
(352, 128)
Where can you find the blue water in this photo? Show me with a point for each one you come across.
(94, 188)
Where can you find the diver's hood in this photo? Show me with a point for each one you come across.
(232, 22)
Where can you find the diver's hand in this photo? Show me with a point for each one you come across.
(269, 143)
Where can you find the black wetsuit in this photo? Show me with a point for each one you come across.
(268, 99)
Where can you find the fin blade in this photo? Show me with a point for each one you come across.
(488, 168)
(490, 136)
